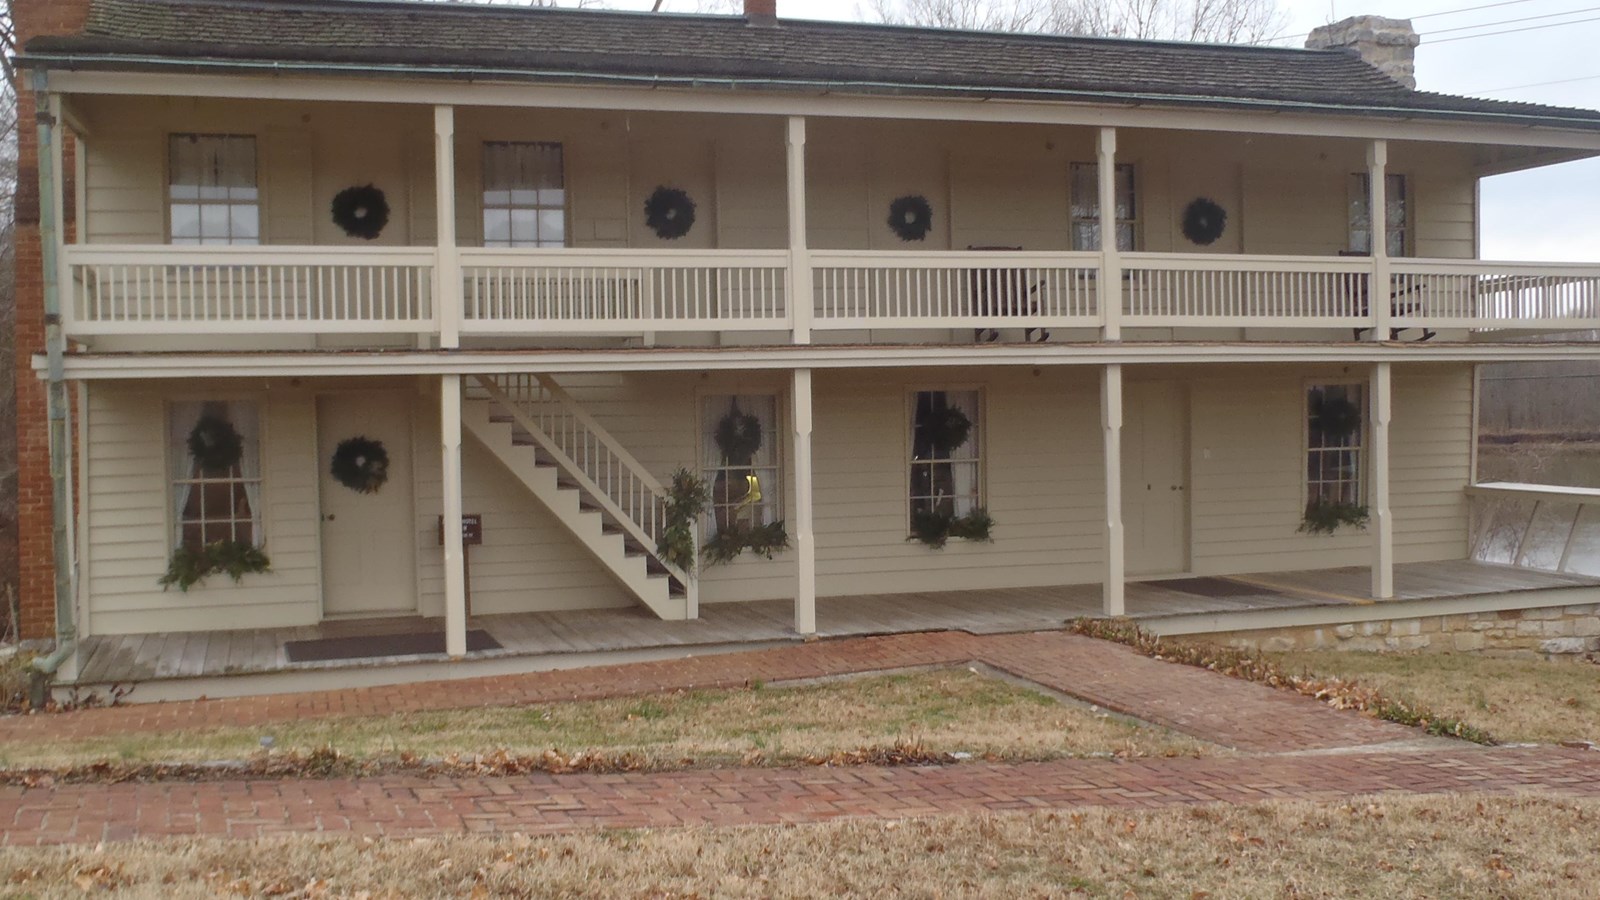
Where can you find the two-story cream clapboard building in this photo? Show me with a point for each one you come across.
(420, 307)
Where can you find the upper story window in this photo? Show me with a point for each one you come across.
(1086, 207)
(216, 495)
(212, 196)
(524, 195)
(1397, 221)
(945, 454)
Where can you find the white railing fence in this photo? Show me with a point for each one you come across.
(973, 289)
(623, 292)
(1189, 289)
(209, 290)
(1495, 295)
(1536, 526)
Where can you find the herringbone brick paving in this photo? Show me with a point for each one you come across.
(1238, 714)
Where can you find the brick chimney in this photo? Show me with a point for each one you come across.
(763, 11)
(1388, 45)
(35, 556)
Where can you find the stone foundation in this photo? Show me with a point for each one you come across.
(1546, 631)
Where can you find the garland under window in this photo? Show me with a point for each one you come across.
(936, 528)
(1328, 516)
(190, 566)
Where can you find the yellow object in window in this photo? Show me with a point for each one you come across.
(753, 492)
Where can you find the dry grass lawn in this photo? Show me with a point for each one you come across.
(1381, 848)
(1515, 700)
(949, 711)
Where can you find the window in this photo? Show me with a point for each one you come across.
(211, 190)
(1335, 426)
(1086, 207)
(739, 440)
(524, 195)
(945, 448)
(1396, 221)
(215, 504)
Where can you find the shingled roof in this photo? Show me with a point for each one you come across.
(576, 46)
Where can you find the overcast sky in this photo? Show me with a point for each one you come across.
(1547, 214)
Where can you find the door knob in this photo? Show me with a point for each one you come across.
(328, 518)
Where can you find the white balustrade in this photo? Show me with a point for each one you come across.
(623, 292)
(1537, 526)
(937, 289)
(1441, 293)
(217, 290)
(1177, 290)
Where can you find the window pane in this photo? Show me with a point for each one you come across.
(185, 221)
(214, 222)
(552, 226)
(1085, 191)
(245, 223)
(496, 226)
(523, 226)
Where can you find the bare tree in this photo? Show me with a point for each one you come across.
(1227, 21)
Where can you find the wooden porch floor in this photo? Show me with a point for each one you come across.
(136, 658)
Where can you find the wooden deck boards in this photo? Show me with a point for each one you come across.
(125, 658)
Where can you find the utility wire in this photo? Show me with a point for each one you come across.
(1518, 87)
(1452, 12)
(1570, 12)
(1448, 12)
(1468, 37)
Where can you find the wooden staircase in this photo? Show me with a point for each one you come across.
(585, 478)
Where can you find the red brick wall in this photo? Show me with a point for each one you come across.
(35, 555)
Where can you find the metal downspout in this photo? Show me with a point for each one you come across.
(56, 400)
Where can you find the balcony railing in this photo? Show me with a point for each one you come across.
(313, 290)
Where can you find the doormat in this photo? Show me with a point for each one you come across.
(1210, 587)
(371, 645)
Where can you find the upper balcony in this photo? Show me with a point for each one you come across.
(794, 238)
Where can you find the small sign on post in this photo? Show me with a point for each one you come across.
(471, 536)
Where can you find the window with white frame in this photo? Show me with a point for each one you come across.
(1335, 430)
(946, 453)
(741, 460)
(1085, 203)
(212, 196)
(524, 195)
(1396, 224)
(212, 502)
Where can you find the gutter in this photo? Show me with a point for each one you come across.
(976, 93)
(44, 670)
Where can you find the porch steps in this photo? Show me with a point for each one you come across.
(620, 553)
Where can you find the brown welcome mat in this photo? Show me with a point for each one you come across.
(1210, 587)
(370, 645)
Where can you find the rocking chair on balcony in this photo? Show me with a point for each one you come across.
(1003, 292)
(1400, 287)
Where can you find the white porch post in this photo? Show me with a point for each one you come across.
(1378, 219)
(455, 571)
(1382, 405)
(805, 541)
(1111, 419)
(799, 256)
(1110, 254)
(447, 263)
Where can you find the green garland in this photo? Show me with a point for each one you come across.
(1327, 517)
(215, 444)
(936, 529)
(189, 565)
(687, 500)
(735, 538)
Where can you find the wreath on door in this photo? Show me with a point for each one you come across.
(215, 444)
(361, 211)
(1204, 221)
(360, 464)
(669, 212)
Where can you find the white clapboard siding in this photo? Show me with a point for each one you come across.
(128, 537)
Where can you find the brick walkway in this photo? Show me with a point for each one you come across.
(1213, 707)
(404, 807)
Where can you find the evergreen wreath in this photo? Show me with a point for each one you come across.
(738, 437)
(911, 217)
(1335, 416)
(1204, 221)
(669, 213)
(360, 464)
(361, 211)
(215, 444)
(945, 428)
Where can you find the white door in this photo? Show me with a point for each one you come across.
(1155, 477)
(368, 540)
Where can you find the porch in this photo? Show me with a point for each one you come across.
(177, 664)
